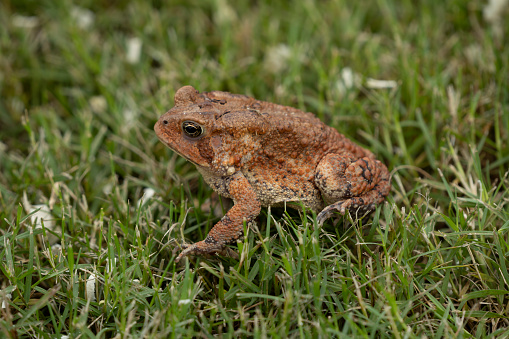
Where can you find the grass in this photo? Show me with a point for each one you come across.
(76, 141)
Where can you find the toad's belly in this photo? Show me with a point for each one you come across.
(272, 188)
(276, 189)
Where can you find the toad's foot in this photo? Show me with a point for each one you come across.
(355, 204)
(204, 248)
(328, 211)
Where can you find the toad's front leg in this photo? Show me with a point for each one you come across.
(229, 228)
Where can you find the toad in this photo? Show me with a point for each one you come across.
(263, 154)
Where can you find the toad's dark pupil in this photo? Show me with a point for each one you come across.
(192, 129)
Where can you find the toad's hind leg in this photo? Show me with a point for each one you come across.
(351, 184)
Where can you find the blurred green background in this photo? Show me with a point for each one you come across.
(423, 84)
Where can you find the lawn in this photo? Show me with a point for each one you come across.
(93, 208)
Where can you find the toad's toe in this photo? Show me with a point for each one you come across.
(328, 211)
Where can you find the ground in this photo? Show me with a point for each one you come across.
(93, 206)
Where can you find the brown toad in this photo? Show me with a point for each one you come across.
(260, 154)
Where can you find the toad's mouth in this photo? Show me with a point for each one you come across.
(174, 149)
(185, 157)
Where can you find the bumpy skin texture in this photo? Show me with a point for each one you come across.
(262, 154)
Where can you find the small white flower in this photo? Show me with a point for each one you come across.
(17, 105)
(225, 13)
(380, 84)
(129, 116)
(348, 80)
(43, 215)
(277, 58)
(184, 301)
(90, 288)
(7, 296)
(83, 17)
(56, 249)
(474, 53)
(107, 188)
(133, 50)
(493, 11)
(147, 194)
(25, 21)
(110, 265)
(98, 104)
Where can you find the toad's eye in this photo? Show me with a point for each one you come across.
(192, 129)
